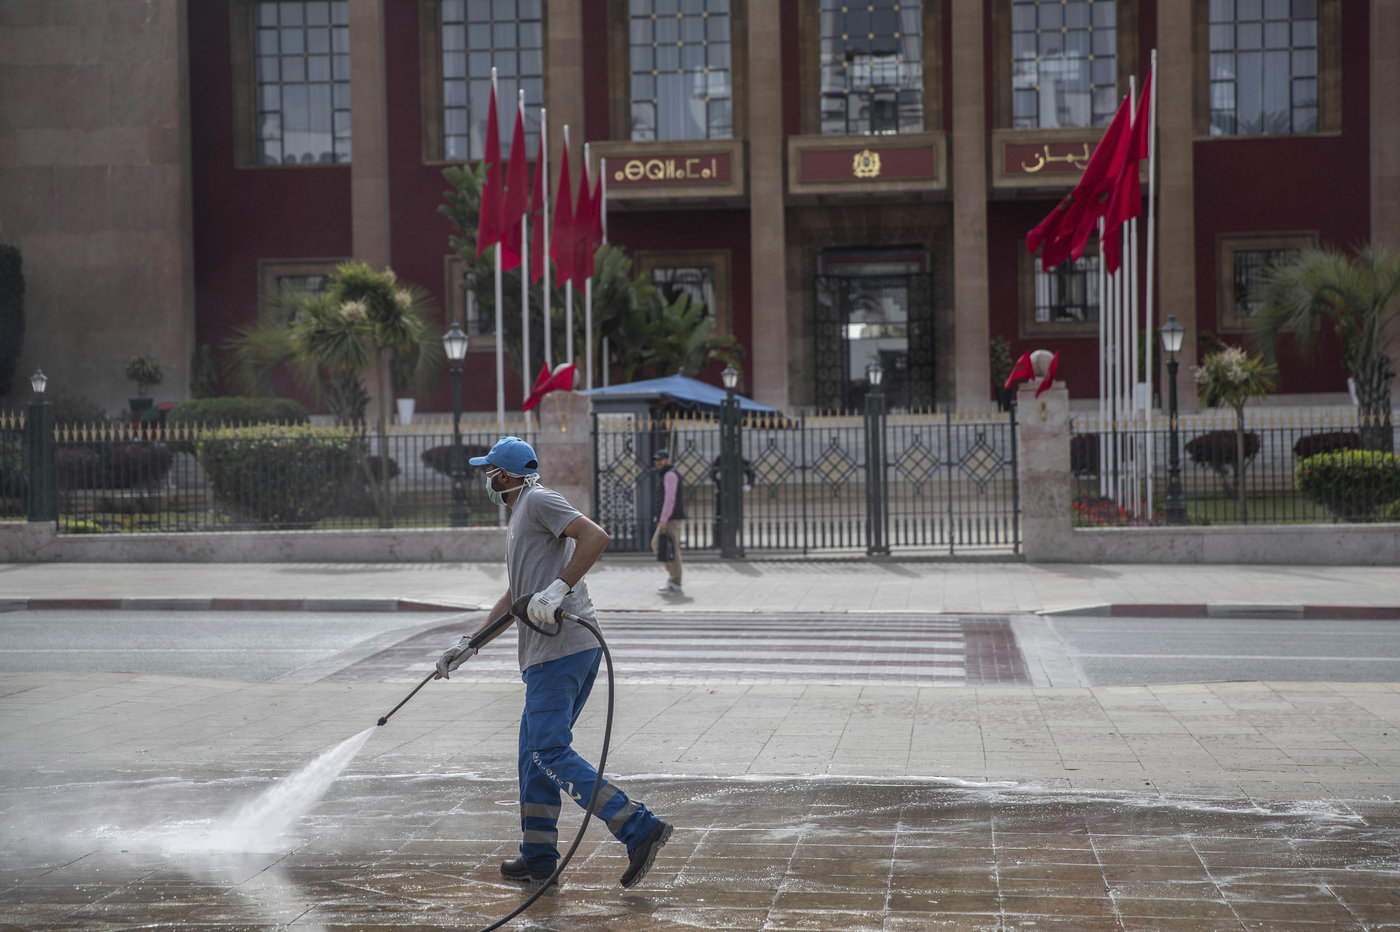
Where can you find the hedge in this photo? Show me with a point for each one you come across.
(1216, 449)
(1355, 485)
(290, 479)
(1328, 442)
(231, 411)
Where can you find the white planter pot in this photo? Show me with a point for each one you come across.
(405, 406)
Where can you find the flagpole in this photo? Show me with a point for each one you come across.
(1151, 373)
(500, 316)
(1130, 314)
(524, 284)
(603, 213)
(1104, 385)
(587, 296)
(544, 219)
(568, 283)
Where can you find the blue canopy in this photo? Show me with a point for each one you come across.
(687, 392)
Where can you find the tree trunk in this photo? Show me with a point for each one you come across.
(1373, 399)
(379, 484)
(1239, 465)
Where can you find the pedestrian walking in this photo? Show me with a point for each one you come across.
(669, 515)
(550, 545)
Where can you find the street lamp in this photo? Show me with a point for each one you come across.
(43, 478)
(731, 504)
(1172, 335)
(454, 344)
(875, 512)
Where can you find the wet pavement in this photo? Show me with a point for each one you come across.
(992, 789)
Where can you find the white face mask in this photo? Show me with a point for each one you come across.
(498, 498)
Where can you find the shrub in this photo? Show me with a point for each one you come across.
(288, 479)
(1355, 485)
(11, 314)
(145, 372)
(439, 459)
(1329, 442)
(134, 465)
(1084, 455)
(1216, 449)
(77, 466)
(14, 480)
(223, 412)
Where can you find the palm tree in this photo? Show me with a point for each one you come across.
(1357, 297)
(333, 341)
(1232, 377)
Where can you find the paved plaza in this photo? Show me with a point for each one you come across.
(991, 794)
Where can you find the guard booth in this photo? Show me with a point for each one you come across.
(634, 420)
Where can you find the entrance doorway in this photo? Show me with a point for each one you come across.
(874, 307)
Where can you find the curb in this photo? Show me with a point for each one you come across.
(1229, 610)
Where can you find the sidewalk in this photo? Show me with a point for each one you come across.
(1170, 808)
(629, 583)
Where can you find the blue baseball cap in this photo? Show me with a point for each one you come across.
(512, 454)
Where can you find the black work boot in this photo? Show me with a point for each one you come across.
(518, 872)
(639, 858)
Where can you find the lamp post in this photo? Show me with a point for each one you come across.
(731, 502)
(454, 344)
(875, 516)
(1172, 334)
(43, 479)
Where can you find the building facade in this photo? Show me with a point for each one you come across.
(841, 183)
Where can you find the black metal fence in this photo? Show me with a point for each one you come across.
(948, 482)
(118, 477)
(1122, 470)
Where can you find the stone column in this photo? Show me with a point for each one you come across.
(564, 86)
(565, 447)
(768, 370)
(369, 133)
(1385, 138)
(971, 327)
(1176, 187)
(1042, 467)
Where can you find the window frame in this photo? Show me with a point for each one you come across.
(244, 90)
(810, 65)
(270, 270)
(1126, 53)
(1329, 73)
(1028, 268)
(1226, 246)
(620, 76)
(719, 260)
(430, 77)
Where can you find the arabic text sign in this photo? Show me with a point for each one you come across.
(1047, 158)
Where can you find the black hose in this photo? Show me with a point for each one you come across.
(519, 610)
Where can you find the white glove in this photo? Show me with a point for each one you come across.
(453, 657)
(547, 601)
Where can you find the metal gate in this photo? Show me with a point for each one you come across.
(946, 482)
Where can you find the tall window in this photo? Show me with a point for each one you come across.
(1064, 63)
(872, 70)
(1241, 259)
(696, 281)
(302, 63)
(679, 53)
(1063, 302)
(1263, 67)
(477, 34)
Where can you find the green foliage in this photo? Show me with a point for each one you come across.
(1231, 377)
(1355, 297)
(288, 478)
(999, 354)
(204, 373)
(1327, 442)
(1216, 450)
(1084, 455)
(439, 459)
(14, 479)
(11, 315)
(145, 372)
(109, 464)
(70, 407)
(1355, 485)
(230, 411)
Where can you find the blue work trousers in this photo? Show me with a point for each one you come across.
(555, 694)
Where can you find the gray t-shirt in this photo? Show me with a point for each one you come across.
(536, 553)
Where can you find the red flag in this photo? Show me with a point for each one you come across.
(488, 226)
(587, 226)
(1022, 370)
(517, 198)
(1049, 375)
(1067, 229)
(561, 235)
(1126, 200)
(537, 216)
(561, 379)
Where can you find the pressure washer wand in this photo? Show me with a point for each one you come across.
(480, 638)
